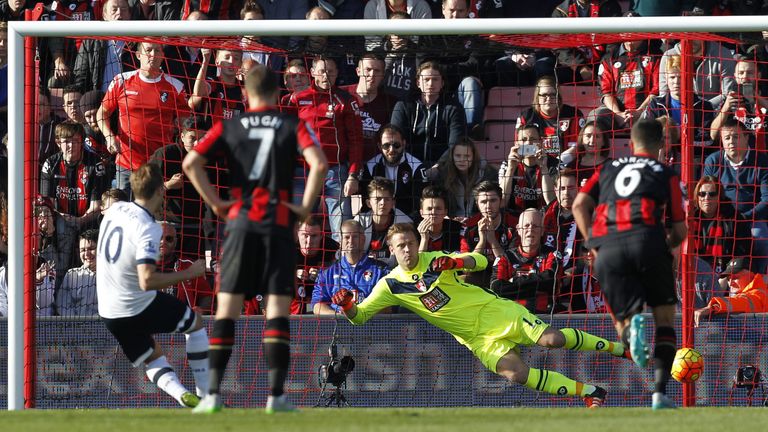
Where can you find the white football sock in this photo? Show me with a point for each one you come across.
(197, 357)
(161, 373)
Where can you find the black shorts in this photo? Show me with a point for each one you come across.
(166, 314)
(634, 272)
(254, 264)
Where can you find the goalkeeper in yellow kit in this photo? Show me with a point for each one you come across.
(426, 283)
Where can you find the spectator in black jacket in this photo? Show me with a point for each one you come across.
(432, 123)
(394, 163)
(98, 61)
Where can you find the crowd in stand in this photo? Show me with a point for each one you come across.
(401, 122)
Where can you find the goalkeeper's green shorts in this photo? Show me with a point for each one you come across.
(503, 325)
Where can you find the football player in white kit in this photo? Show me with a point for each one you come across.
(127, 283)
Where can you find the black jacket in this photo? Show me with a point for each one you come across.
(430, 131)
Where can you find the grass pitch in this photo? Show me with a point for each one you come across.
(391, 420)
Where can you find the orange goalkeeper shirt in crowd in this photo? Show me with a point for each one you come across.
(148, 109)
(752, 299)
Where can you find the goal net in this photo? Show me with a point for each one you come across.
(405, 110)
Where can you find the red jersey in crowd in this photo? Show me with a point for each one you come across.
(333, 116)
(148, 109)
(193, 291)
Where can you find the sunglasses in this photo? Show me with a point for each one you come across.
(395, 146)
(707, 194)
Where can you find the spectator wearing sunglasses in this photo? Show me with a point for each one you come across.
(394, 163)
(718, 233)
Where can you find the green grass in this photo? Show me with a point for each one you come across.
(391, 420)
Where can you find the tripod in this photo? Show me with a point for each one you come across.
(336, 397)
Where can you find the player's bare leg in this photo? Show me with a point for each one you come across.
(663, 354)
(631, 330)
(513, 368)
(277, 349)
(221, 341)
(160, 372)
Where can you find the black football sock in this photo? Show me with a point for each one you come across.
(277, 348)
(663, 356)
(222, 338)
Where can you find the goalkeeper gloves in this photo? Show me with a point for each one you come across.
(446, 263)
(343, 299)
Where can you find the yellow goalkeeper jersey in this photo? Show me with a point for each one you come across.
(441, 298)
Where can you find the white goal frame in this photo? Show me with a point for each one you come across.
(18, 30)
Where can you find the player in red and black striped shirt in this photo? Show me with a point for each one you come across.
(261, 147)
(621, 211)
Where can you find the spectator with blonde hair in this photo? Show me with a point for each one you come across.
(670, 105)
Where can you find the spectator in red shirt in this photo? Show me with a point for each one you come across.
(295, 78)
(148, 102)
(197, 292)
(331, 113)
(373, 107)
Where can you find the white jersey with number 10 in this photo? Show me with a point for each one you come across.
(128, 236)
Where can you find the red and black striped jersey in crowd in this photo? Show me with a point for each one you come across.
(526, 186)
(214, 9)
(557, 133)
(74, 10)
(261, 148)
(562, 234)
(630, 78)
(224, 101)
(505, 233)
(527, 272)
(632, 194)
(333, 116)
(73, 186)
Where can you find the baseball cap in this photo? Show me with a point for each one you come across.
(736, 265)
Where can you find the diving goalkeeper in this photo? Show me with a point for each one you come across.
(491, 327)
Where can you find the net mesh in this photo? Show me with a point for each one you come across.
(400, 360)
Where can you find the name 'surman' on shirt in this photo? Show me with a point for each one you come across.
(260, 121)
(651, 163)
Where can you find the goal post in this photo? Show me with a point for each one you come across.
(20, 185)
